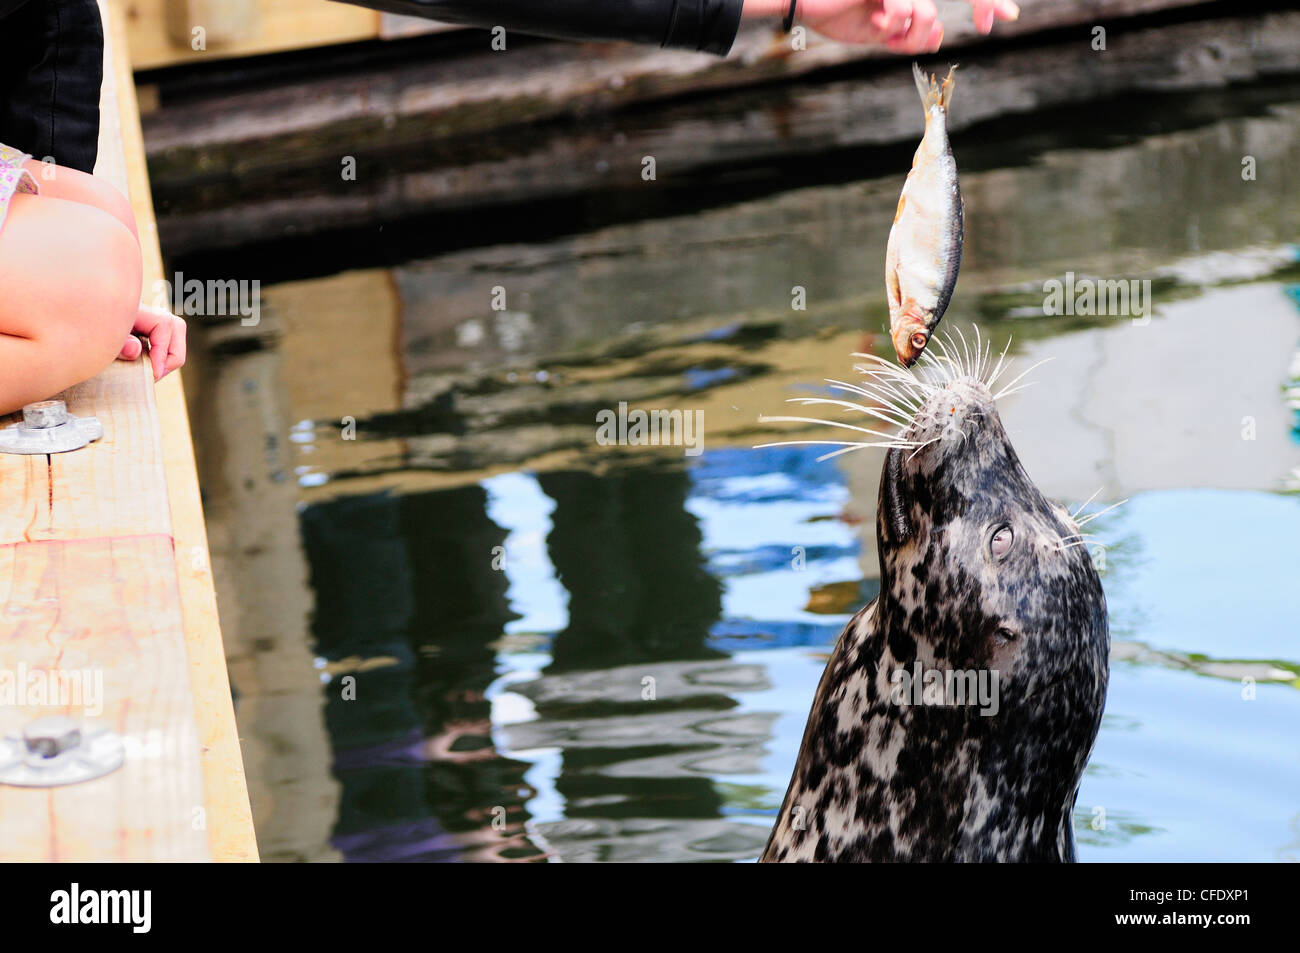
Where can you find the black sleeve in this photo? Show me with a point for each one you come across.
(51, 65)
(707, 25)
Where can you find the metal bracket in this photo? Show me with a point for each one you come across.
(47, 427)
(54, 751)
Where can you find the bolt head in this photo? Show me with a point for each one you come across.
(45, 414)
(52, 735)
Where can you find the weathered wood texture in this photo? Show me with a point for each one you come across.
(89, 547)
(230, 821)
(229, 817)
(249, 166)
(109, 608)
(161, 31)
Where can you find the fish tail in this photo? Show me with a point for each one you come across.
(933, 92)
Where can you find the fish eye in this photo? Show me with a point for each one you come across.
(1001, 540)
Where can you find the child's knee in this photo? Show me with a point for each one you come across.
(97, 322)
(119, 268)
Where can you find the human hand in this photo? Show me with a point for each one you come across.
(903, 26)
(166, 334)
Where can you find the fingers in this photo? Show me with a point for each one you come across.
(132, 349)
(912, 26)
(986, 10)
(924, 32)
(936, 37)
(176, 349)
(891, 19)
(167, 342)
(160, 340)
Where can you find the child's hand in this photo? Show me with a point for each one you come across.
(166, 334)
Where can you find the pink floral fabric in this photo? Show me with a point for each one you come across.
(13, 178)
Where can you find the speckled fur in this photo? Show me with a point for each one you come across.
(878, 781)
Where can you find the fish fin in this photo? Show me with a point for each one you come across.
(933, 93)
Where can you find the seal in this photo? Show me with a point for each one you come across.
(984, 584)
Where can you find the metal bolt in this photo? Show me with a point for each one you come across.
(57, 750)
(47, 427)
(54, 735)
(45, 414)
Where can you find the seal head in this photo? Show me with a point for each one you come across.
(984, 600)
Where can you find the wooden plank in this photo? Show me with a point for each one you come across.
(102, 609)
(230, 818)
(22, 480)
(394, 26)
(95, 591)
(90, 591)
(93, 495)
(279, 25)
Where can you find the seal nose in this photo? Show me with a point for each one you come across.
(956, 413)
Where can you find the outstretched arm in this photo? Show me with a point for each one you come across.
(708, 25)
(905, 26)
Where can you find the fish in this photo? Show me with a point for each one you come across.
(924, 250)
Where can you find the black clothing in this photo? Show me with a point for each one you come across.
(51, 65)
(707, 25)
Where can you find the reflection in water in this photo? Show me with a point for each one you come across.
(634, 751)
(628, 553)
(408, 579)
(535, 647)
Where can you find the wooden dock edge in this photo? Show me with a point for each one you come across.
(229, 815)
(161, 31)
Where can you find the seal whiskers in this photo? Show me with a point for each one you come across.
(1095, 494)
(1092, 516)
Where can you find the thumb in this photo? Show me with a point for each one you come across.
(131, 349)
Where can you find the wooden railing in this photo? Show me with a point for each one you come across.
(104, 571)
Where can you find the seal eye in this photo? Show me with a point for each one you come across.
(1001, 541)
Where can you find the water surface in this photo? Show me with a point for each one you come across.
(473, 633)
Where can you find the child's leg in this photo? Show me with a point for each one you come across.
(71, 278)
(59, 182)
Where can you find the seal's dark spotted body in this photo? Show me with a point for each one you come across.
(880, 780)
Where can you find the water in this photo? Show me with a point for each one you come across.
(472, 633)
